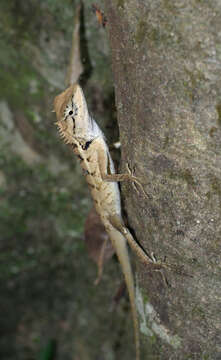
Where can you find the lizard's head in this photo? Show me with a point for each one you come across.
(73, 119)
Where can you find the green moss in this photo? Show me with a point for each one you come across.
(145, 297)
(21, 19)
(15, 85)
(216, 185)
(192, 82)
(188, 90)
(199, 312)
(120, 4)
(141, 31)
(48, 351)
(218, 109)
(209, 195)
(169, 5)
(196, 77)
(183, 175)
(175, 342)
(33, 193)
(22, 23)
(188, 177)
(159, 36)
(154, 35)
(213, 131)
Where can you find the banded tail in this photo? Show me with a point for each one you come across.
(120, 245)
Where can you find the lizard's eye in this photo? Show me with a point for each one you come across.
(71, 112)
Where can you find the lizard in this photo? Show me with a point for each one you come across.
(81, 131)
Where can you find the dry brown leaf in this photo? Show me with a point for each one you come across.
(120, 293)
(97, 242)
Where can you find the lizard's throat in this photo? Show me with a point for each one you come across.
(65, 133)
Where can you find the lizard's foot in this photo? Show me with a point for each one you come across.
(178, 269)
(161, 270)
(119, 177)
(135, 181)
(125, 177)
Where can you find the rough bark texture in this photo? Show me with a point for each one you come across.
(166, 59)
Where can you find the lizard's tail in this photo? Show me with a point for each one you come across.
(120, 246)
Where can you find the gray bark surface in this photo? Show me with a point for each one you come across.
(166, 61)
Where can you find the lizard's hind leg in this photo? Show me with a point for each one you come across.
(118, 224)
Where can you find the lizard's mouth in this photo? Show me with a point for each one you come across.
(64, 133)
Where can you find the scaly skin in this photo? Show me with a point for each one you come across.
(77, 128)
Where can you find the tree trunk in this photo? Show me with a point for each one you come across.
(166, 59)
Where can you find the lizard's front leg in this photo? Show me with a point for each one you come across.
(119, 177)
(125, 177)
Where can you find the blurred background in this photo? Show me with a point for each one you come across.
(50, 308)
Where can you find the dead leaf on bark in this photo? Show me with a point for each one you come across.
(97, 242)
(120, 293)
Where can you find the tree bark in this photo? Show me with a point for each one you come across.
(166, 59)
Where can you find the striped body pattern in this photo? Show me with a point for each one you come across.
(78, 129)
